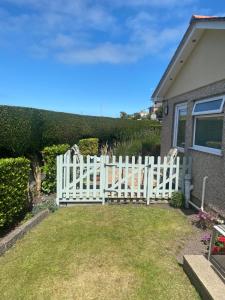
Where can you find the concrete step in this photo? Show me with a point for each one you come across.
(202, 275)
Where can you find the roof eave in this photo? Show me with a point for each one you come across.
(193, 33)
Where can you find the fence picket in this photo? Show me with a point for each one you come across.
(88, 177)
(164, 177)
(120, 176)
(113, 173)
(94, 177)
(74, 177)
(139, 176)
(81, 177)
(177, 173)
(67, 173)
(158, 170)
(170, 178)
(126, 176)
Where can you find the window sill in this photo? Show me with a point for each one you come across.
(208, 151)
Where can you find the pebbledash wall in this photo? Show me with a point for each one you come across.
(203, 164)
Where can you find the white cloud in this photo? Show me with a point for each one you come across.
(105, 53)
(85, 31)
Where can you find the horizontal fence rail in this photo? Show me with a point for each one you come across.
(97, 179)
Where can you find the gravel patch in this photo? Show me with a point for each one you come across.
(193, 245)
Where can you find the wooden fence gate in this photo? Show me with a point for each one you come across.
(98, 179)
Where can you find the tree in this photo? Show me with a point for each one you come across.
(137, 116)
(123, 115)
(159, 113)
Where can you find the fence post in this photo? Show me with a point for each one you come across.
(102, 178)
(58, 178)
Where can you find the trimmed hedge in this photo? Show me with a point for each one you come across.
(14, 176)
(49, 168)
(88, 146)
(26, 130)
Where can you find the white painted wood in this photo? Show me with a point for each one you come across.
(81, 177)
(88, 177)
(120, 177)
(102, 174)
(177, 173)
(170, 178)
(95, 166)
(96, 179)
(74, 177)
(145, 179)
(113, 173)
(158, 170)
(67, 173)
(139, 177)
(126, 176)
(164, 177)
(132, 176)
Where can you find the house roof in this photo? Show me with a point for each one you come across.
(198, 24)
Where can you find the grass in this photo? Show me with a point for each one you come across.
(99, 252)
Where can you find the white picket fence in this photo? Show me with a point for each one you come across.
(98, 179)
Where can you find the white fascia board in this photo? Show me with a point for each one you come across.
(210, 25)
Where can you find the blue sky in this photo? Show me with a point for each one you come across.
(90, 57)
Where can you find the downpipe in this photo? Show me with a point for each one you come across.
(203, 192)
(203, 195)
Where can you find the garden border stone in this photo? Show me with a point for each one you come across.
(10, 239)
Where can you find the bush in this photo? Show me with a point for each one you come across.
(14, 176)
(49, 168)
(130, 148)
(26, 131)
(20, 131)
(88, 146)
(177, 200)
(143, 145)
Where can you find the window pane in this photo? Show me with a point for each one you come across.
(208, 106)
(208, 132)
(181, 127)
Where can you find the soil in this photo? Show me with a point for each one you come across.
(193, 245)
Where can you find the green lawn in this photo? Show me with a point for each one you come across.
(99, 252)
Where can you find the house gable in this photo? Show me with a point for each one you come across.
(205, 64)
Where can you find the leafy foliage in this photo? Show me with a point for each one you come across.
(49, 168)
(143, 145)
(177, 200)
(26, 130)
(88, 146)
(14, 176)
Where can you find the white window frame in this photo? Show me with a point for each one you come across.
(175, 130)
(203, 148)
(209, 112)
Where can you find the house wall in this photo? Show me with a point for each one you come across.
(206, 64)
(204, 164)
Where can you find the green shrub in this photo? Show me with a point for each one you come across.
(130, 148)
(151, 145)
(49, 168)
(14, 176)
(26, 131)
(88, 146)
(20, 131)
(143, 145)
(177, 200)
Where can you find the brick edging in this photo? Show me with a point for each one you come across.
(10, 239)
